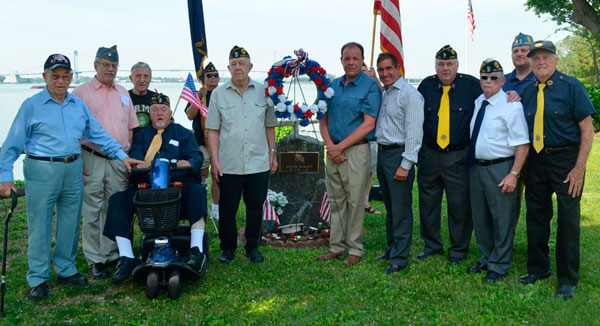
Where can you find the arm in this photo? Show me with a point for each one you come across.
(509, 183)
(413, 131)
(191, 112)
(324, 129)
(11, 149)
(272, 154)
(213, 144)
(357, 135)
(575, 176)
(130, 137)
(191, 155)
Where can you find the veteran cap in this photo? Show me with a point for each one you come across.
(238, 52)
(445, 53)
(490, 65)
(522, 40)
(541, 45)
(109, 54)
(160, 98)
(210, 67)
(57, 60)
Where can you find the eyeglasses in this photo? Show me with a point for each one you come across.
(212, 75)
(490, 77)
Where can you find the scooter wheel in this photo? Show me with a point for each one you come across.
(152, 285)
(174, 284)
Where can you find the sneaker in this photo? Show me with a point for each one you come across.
(214, 214)
(197, 259)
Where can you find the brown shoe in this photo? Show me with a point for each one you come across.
(352, 260)
(328, 256)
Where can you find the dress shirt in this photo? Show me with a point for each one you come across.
(45, 127)
(112, 107)
(515, 84)
(242, 120)
(400, 120)
(345, 110)
(503, 127)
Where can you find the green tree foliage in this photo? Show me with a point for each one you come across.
(577, 55)
(594, 93)
(281, 132)
(582, 12)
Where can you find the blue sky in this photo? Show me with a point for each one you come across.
(158, 31)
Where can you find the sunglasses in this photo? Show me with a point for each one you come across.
(490, 77)
(212, 75)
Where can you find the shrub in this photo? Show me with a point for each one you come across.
(594, 93)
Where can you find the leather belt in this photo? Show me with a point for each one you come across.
(61, 159)
(553, 150)
(447, 149)
(388, 147)
(95, 152)
(494, 161)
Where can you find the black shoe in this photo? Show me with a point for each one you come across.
(197, 259)
(425, 254)
(384, 256)
(73, 280)
(39, 293)
(227, 256)
(98, 271)
(255, 256)
(124, 268)
(113, 263)
(393, 268)
(565, 291)
(492, 277)
(532, 278)
(455, 260)
(477, 268)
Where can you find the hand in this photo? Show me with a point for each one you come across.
(85, 174)
(334, 151)
(206, 133)
(371, 73)
(216, 170)
(204, 173)
(339, 159)
(202, 93)
(6, 187)
(142, 165)
(273, 162)
(183, 163)
(401, 174)
(575, 180)
(513, 96)
(508, 184)
(128, 161)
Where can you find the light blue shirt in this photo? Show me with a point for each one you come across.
(45, 127)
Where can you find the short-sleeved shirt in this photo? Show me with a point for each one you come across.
(503, 127)
(141, 106)
(566, 103)
(345, 110)
(463, 92)
(515, 84)
(242, 120)
(112, 107)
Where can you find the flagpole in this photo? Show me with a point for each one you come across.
(373, 39)
(467, 42)
(178, 99)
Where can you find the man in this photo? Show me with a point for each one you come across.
(211, 79)
(449, 100)
(399, 134)
(241, 138)
(111, 105)
(373, 146)
(522, 75)
(49, 127)
(346, 129)
(497, 151)
(140, 77)
(165, 140)
(558, 113)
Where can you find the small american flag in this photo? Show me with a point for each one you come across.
(269, 212)
(324, 209)
(189, 94)
(471, 19)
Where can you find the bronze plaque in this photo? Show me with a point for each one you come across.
(298, 162)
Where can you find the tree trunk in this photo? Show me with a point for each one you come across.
(594, 61)
(585, 15)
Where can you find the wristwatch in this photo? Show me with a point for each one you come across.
(273, 150)
(515, 173)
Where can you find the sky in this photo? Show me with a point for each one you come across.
(157, 32)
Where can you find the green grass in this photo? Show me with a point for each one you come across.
(292, 288)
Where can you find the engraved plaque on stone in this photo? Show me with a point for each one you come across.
(298, 162)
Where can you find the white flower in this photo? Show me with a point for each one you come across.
(329, 92)
(322, 105)
(279, 211)
(281, 107)
(290, 109)
(272, 90)
(304, 108)
(313, 108)
(293, 117)
(282, 98)
(270, 101)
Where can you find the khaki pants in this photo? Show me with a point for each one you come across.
(106, 177)
(346, 189)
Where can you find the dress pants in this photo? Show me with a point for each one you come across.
(545, 176)
(346, 188)
(106, 178)
(48, 184)
(397, 197)
(439, 172)
(253, 187)
(494, 215)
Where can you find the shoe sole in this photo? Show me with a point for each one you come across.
(62, 282)
(539, 279)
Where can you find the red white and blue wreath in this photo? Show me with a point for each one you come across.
(289, 67)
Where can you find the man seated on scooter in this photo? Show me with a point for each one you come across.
(169, 140)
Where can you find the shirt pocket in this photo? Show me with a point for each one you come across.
(228, 113)
(561, 112)
(260, 111)
(495, 130)
(352, 103)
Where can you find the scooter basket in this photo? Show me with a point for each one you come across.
(157, 209)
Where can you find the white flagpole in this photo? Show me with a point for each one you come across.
(467, 42)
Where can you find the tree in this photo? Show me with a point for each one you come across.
(578, 56)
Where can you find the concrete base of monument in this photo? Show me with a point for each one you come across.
(308, 238)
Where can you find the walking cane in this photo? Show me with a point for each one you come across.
(3, 280)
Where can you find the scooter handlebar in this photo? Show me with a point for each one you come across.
(171, 168)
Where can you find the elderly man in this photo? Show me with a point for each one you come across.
(111, 105)
(162, 139)
(140, 77)
(49, 127)
(522, 75)
(497, 151)
(399, 135)
(241, 138)
(211, 79)
(346, 129)
(558, 113)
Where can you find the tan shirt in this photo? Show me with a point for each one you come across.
(242, 121)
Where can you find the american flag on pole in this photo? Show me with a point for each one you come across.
(269, 212)
(189, 94)
(471, 20)
(390, 37)
(324, 208)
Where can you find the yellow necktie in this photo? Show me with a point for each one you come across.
(538, 122)
(443, 136)
(154, 146)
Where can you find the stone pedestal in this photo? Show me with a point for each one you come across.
(304, 190)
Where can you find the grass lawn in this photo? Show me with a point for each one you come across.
(292, 288)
